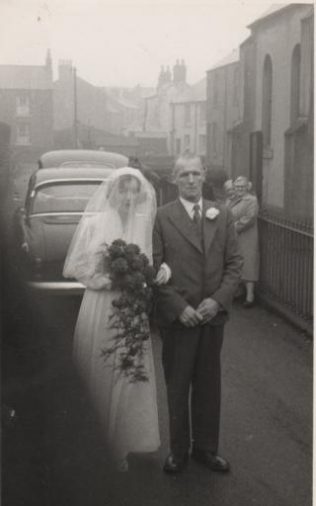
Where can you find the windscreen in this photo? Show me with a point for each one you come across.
(63, 197)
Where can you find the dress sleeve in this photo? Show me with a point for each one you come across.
(99, 278)
(249, 217)
(85, 260)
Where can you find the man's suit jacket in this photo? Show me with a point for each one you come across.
(209, 267)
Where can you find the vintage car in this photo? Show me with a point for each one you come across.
(55, 201)
(82, 158)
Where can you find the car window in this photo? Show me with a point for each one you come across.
(68, 197)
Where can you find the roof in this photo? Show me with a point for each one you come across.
(62, 173)
(25, 77)
(273, 10)
(58, 157)
(232, 57)
(196, 93)
(151, 135)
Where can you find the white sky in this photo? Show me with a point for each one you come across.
(124, 43)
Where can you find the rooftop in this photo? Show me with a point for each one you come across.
(232, 57)
(274, 10)
(25, 77)
(196, 93)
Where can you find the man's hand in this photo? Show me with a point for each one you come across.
(190, 317)
(208, 309)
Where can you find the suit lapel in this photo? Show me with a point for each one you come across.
(209, 226)
(181, 220)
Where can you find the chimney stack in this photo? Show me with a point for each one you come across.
(179, 72)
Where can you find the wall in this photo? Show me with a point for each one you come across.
(277, 37)
(223, 114)
(40, 117)
(299, 138)
(95, 107)
(241, 133)
(188, 126)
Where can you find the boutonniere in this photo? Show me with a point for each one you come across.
(212, 213)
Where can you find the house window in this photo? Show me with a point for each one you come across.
(295, 83)
(187, 141)
(202, 144)
(23, 105)
(267, 101)
(178, 146)
(202, 113)
(23, 137)
(187, 114)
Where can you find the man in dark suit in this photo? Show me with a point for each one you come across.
(196, 239)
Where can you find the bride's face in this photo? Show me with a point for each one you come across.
(128, 192)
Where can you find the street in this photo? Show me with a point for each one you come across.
(197, 146)
(54, 452)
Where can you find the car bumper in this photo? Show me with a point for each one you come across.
(57, 288)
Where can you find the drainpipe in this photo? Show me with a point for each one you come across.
(145, 114)
(172, 132)
(225, 122)
(75, 107)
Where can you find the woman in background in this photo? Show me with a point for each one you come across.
(229, 192)
(244, 208)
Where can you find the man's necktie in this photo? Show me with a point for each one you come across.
(197, 215)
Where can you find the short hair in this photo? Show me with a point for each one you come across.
(184, 159)
(243, 180)
(128, 178)
(228, 184)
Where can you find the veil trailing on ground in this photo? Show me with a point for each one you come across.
(123, 207)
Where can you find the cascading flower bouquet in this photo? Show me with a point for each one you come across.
(133, 277)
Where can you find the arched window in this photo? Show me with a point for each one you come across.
(295, 83)
(267, 101)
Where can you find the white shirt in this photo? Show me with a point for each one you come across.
(188, 206)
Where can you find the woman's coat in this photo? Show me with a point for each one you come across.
(245, 213)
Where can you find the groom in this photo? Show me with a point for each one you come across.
(196, 238)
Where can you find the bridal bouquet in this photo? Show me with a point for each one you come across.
(133, 277)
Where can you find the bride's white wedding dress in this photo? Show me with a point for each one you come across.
(127, 410)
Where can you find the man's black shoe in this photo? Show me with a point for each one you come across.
(211, 461)
(174, 465)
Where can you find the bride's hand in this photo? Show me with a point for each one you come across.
(163, 275)
(107, 282)
(100, 282)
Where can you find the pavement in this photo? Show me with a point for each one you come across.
(54, 453)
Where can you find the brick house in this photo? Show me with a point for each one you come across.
(26, 105)
(188, 121)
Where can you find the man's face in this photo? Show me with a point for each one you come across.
(189, 180)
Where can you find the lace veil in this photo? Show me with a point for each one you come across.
(106, 218)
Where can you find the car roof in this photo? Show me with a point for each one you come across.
(64, 173)
(58, 157)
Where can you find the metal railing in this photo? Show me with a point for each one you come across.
(286, 264)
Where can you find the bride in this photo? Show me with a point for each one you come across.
(124, 208)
